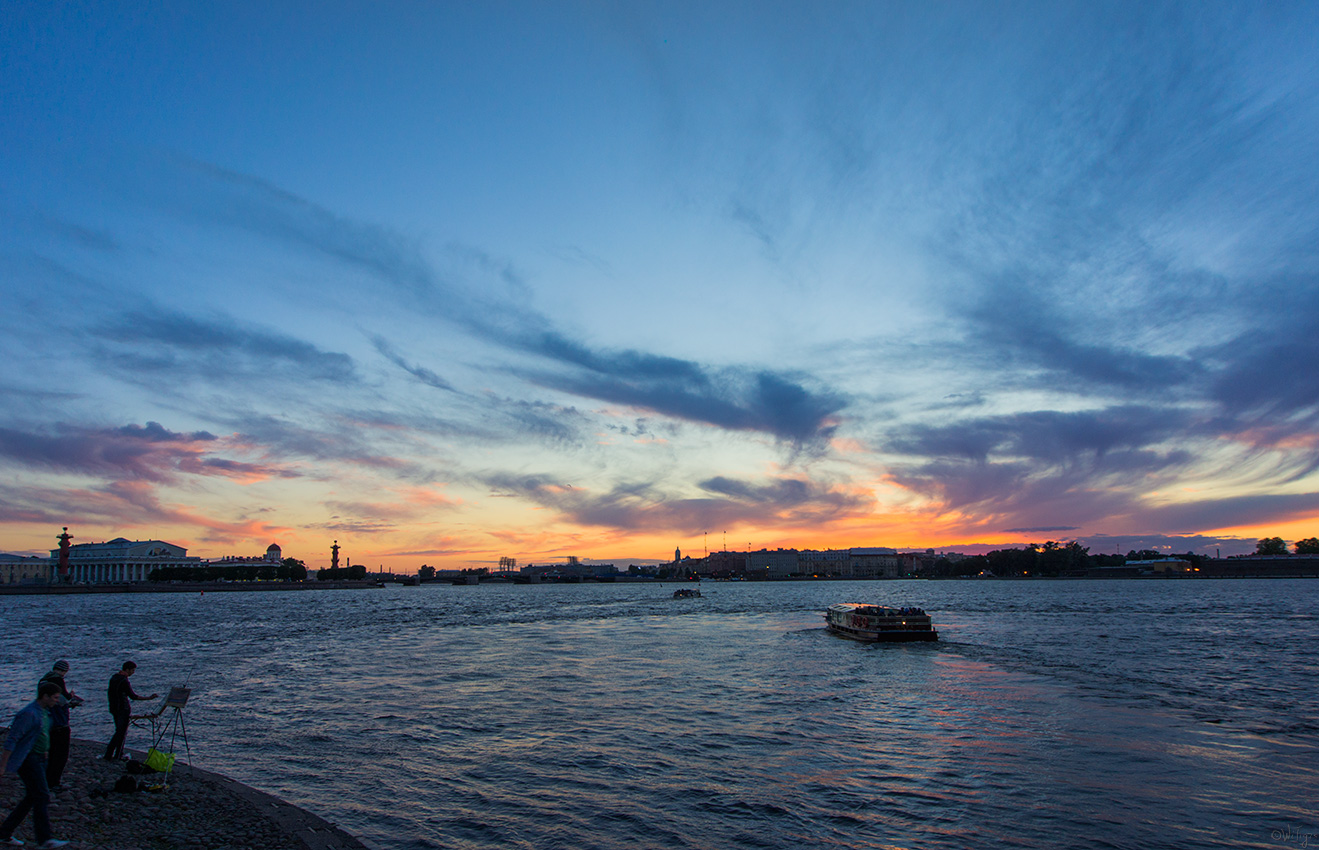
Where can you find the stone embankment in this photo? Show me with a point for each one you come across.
(183, 587)
(198, 809)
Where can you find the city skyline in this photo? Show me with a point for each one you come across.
(451, 283)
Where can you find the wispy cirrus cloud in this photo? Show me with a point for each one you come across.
(421, 373)
(733, 397)
(642, 506)
(152, 341)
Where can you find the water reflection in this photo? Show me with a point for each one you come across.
(602, 716)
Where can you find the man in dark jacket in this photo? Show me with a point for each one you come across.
(121, 709)
(24, 753)
(59, 726)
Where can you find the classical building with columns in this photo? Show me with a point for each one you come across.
(25, 569)
(123, 561)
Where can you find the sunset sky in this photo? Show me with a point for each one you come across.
(453, 281)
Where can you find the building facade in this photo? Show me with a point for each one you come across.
(121, 561)
(874, 562)
(25, 569)
(773, 563)
(274, 555)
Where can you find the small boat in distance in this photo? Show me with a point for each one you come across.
(686, 593)
(878, 623)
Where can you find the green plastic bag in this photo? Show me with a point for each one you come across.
(158, 761)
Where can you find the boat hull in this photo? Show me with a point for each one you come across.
(877, 624)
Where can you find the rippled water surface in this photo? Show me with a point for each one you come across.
(1114, 714)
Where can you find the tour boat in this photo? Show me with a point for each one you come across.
(878, 623)
(686, 593)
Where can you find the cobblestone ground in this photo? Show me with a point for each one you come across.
(195, 810)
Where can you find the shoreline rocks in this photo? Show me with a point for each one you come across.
(197, 809)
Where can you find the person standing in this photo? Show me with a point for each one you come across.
(59, 726)
(25, 754)
(120, 693)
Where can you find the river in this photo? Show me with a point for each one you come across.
(1079, 714)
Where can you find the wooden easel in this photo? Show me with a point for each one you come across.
(172, 723)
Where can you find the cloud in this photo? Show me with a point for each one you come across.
(1092, 245)
(763, 402)
(358, 526)
(421, 373)
(1232, 512)
(641, 506)
(126, 505)
(130, 453)
(20, 397)
(89, 238)
(413, 446)
(735, 398)
(338, 437)
(1093, 364)
(1268, 372)
(730, 398)
(154, 341)
(514, 419)
(409, 506)
(1124, 209)
(1050, 436)
(154, 432)
(788, 494)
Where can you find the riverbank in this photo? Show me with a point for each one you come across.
(182, 587)
(199, 809)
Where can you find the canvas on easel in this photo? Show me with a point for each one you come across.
(178, 698)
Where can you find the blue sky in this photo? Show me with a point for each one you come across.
(447, 282)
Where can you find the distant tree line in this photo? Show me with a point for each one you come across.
(1054, 558)
(1051, 558)
(290, 569)
(356, 572)
(1278, 546)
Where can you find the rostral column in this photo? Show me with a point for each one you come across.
(64, 555)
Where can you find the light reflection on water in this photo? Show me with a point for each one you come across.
(1082, 714)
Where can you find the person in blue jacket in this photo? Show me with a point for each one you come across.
(25, 754)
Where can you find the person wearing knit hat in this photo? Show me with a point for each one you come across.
(60, 732)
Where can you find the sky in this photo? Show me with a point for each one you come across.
(450, 282)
